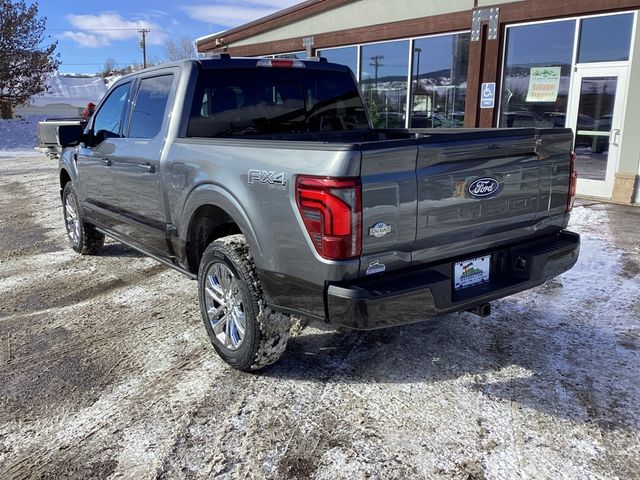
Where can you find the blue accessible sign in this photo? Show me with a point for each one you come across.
(488, 95)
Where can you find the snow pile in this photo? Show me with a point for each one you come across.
(76, 91)
(19, 134)
(110, 80)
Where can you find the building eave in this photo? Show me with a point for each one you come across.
(278, 19)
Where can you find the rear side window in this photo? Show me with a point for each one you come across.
(271, 101)
(149, 110)
(108, 120)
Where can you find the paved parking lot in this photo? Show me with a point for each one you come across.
(106, 371)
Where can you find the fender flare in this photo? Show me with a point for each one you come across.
(218, 196)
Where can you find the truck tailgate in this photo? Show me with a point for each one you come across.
(474, 190)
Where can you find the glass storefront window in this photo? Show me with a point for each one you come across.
(536, 75)
(344, 56)
(605, 39)
(384, 73)
(439, 81)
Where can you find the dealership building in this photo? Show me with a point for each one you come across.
(478, 63)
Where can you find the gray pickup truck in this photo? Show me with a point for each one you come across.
(264, 180)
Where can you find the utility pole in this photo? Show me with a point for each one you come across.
(143, 45)
(376, 63)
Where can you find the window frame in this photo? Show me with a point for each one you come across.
(123, 116)
(133, 103)
(412, 47)
(411, 40)
(578, 40)
(574, 58)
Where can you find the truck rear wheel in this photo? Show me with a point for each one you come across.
(246, 334)
(83, 238)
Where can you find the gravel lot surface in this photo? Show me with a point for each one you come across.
(106, 371)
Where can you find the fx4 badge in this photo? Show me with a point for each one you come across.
(379, 230)
(483, 187)
(265, 177)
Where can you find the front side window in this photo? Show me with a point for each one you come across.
(537, 72)
(272, 101)
(149, 110)
(108, 120)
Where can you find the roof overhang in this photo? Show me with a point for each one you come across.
(309, 8)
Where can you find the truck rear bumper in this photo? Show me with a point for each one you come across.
(408, 297)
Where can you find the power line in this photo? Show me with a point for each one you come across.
(89, 30)
(99, 63)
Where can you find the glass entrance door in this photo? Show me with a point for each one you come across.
(595, 115)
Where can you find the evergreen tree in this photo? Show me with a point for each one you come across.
(25, 63)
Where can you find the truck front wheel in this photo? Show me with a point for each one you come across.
(246, 334)
(83, 238)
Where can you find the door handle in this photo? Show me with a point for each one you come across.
(107, 162)
(615, 137)
(148, 168)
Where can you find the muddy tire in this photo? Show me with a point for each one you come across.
(83, 238)
(245, 334)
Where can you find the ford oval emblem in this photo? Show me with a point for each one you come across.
(483, 187)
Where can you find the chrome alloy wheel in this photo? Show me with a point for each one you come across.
(71, 219)
(224, 305)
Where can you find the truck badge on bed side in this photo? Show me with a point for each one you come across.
(376, 267)
(379, 230)
(266, 177)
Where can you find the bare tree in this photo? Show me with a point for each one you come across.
(109, 67)
(25, 63)
(179, 49)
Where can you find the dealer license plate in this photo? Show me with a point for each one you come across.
(474, 271)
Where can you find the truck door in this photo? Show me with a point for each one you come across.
(137, 167)
(95, 160)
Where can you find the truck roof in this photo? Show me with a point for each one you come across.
(225, 61)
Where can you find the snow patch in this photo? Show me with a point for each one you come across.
(19, 135)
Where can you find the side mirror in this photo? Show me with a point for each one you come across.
(99, 137)
(86, 139)
(68, 135)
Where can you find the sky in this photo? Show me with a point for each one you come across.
(89, 32)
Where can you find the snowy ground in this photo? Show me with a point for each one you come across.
(106, 371)
(19, 134)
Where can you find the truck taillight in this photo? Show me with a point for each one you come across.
(331, 209)
(280, 63)
(573, 182)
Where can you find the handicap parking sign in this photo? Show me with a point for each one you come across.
(488, 95)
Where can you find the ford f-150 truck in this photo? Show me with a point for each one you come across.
(264, 180)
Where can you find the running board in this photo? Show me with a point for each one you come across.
(169, 264)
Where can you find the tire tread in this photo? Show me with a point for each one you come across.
(272, 334)
(91, 240)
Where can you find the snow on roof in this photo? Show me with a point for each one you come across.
(76, 91)
(210, 35)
